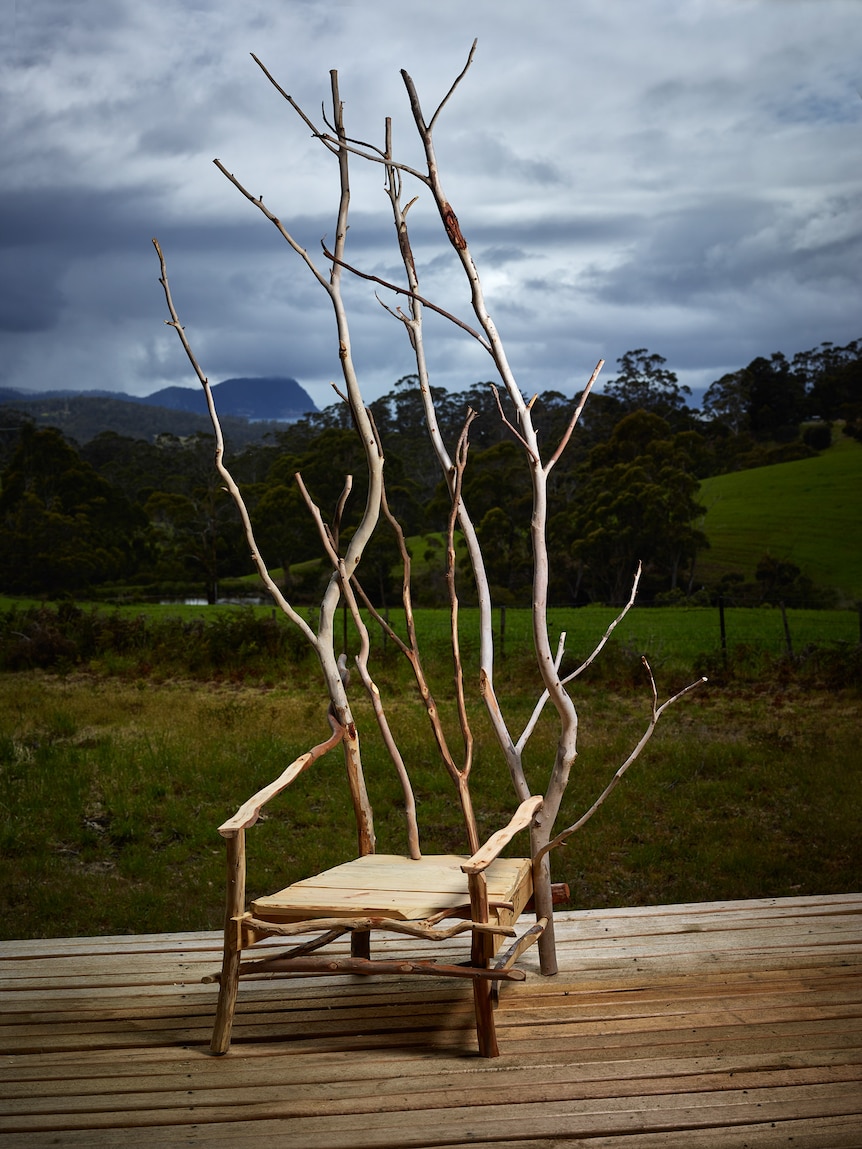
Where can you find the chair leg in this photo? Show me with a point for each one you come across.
(481, 955)
(228, 987)
(360, 943)
(486, 1031)
(233, 941)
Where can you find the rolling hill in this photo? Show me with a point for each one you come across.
(808, 512)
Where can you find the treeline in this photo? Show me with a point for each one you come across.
(126, 514)
(83, 417)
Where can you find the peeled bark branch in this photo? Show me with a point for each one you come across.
(657, 712)
(361, 660)
(228, 478)
(408, 257)
(585, 394)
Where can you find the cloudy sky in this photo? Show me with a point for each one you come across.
(681, 175)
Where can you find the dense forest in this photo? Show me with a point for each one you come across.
(125, 516)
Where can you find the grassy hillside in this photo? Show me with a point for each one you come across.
(807, 512)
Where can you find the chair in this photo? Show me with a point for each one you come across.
(482, 895)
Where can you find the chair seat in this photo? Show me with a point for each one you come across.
(392, 886)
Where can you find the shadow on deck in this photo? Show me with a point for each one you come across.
(721, 1024)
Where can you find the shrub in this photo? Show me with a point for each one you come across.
(818, 436)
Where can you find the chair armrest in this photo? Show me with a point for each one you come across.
(486, 854)
(249, 812)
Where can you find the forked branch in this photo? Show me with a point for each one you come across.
(657, 712)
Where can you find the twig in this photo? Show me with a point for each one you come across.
(575, 417)
(226, 475)
(657, 712)
(463, 720)
(333, 143)
(273, 219)
(512, 428)
(410, 294)
(455, 84)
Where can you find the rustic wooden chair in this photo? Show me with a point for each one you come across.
(410, 896)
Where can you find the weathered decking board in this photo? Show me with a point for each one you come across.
(723, 1024)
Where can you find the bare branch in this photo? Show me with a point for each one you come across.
(512, 428)
(585, 394)
(455, 84)
(282, 230)
(332, 146)
(339, 508)
(410, 294)
(603, 640)
(459, 243)
(657, 712)
(540, 705)
(463, 720)
(226, 475)
(413, 325)
(361, 661)
(249, 812)
(332, 142)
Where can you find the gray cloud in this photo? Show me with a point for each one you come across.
(672, 174)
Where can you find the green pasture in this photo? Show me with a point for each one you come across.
(245, 643)
(807, 512)
(112, 791)
(679, 636)
(117, 767)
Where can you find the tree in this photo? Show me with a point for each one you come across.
(832, 379)
(728, 401)
(636, 500)
(776, 398)
(62, 526)
(781, 581)
(644, 383)
(766, 398)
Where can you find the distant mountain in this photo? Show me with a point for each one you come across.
(248, 408)
(277, 398)
(269, 397)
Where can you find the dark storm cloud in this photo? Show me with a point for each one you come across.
(672, 174)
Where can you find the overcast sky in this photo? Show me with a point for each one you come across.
(681, 175)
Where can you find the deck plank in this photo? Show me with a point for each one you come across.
(670, 1027)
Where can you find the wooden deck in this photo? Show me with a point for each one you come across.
(724, 1024)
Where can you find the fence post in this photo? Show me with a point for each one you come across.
(786, 629)
(723, 632)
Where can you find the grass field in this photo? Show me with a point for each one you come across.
(112, 791)
(257, 645)
(806, 511)
(116, 769)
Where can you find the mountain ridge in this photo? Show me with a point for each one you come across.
(276, 398)
(246, 415)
